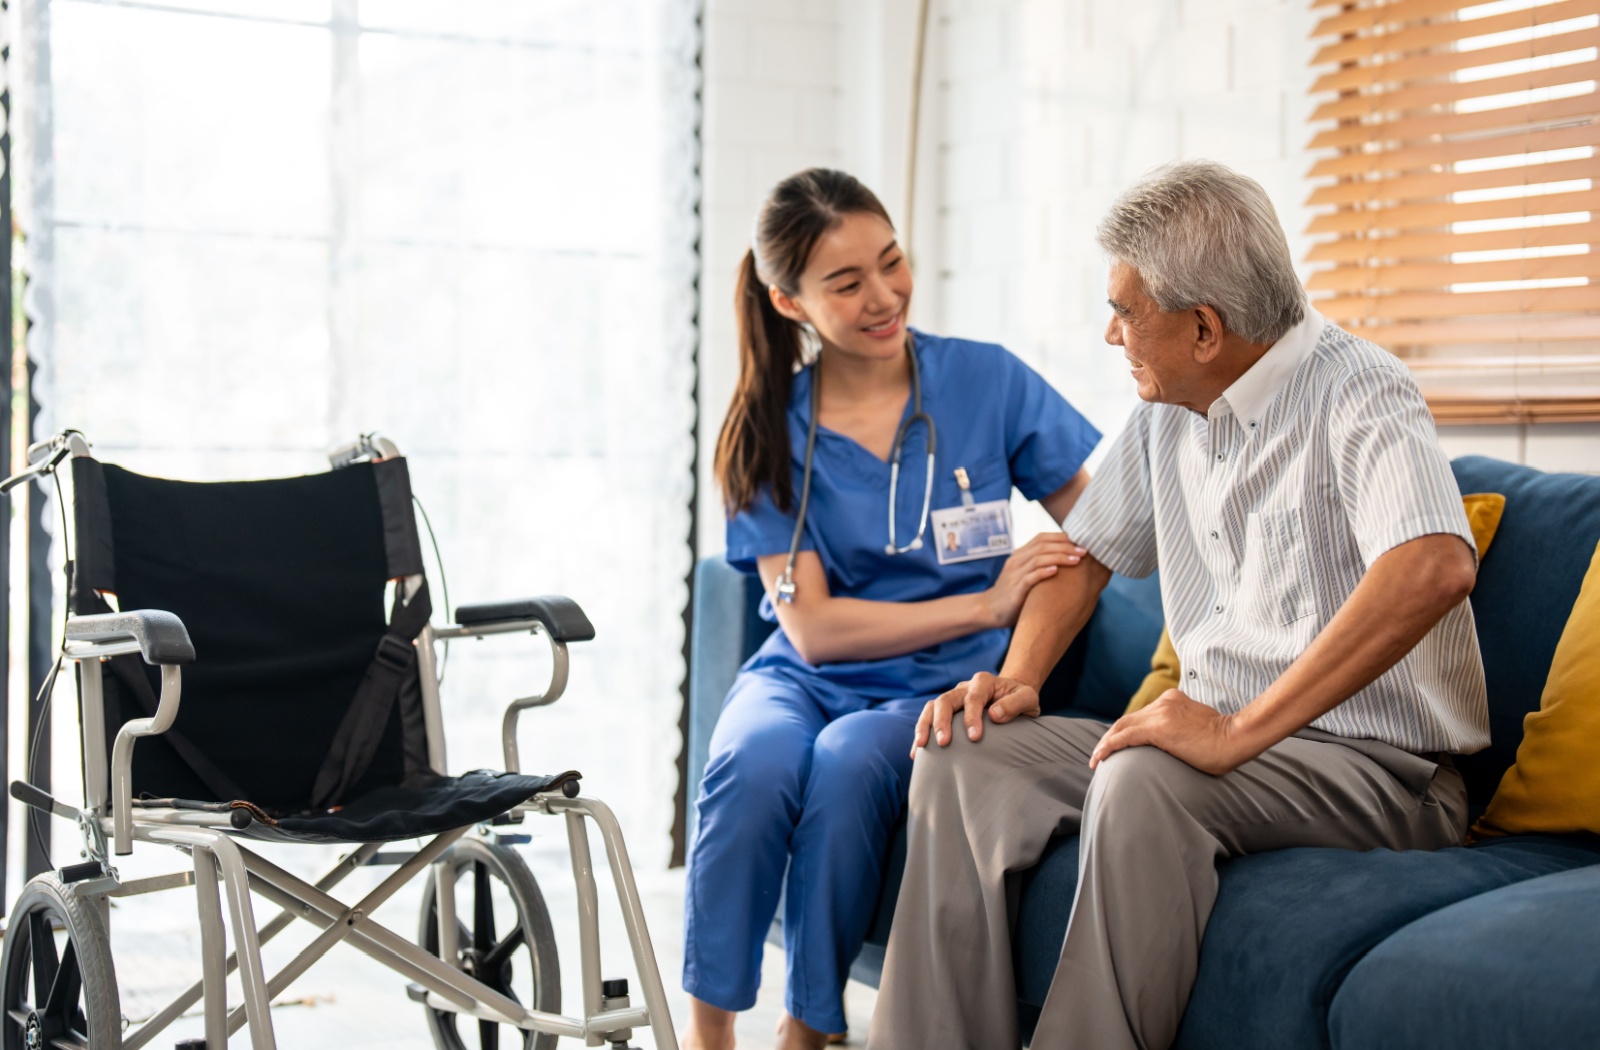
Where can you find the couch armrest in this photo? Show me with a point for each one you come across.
(725, 629)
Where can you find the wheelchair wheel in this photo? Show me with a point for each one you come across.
(56, 974)
(504, 939)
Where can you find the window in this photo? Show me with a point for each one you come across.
(256, 228)
(1459, 201)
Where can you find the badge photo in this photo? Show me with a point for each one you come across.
(972, 531)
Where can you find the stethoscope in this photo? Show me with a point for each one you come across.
(786, 588)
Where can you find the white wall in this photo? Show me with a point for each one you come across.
(787, 86)
(1035, 114)
(1046, 110)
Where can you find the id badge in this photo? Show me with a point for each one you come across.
(973, 531)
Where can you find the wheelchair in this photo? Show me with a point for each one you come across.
(307, 716)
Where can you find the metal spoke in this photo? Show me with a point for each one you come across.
(70, 1041)
(18, 1017)
(488, 1035)
(42, 947)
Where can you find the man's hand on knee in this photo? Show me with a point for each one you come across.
(1003, 698)
(1183, 728)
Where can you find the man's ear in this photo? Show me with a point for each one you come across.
(1207, 333)
(785, 305)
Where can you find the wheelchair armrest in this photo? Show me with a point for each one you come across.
(561, 617)
(160, 636)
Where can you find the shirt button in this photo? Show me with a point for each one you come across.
(1221, 456)
(1217, 609)
(1215, 535)
(1193, 675)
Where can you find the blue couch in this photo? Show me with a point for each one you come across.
(1490, 947)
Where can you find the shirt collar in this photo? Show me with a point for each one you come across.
(1253, 393)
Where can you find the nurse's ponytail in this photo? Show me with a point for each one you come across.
(753, 449)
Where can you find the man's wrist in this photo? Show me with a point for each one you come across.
(1020, 672)
(1250, 731)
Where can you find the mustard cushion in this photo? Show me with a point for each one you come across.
(1554, 786)
(1163, 674)
(1484, 510)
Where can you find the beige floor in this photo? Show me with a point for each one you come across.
(348, 1002)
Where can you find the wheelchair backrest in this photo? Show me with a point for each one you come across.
(281, 584)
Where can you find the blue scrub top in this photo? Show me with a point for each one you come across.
(997, 418)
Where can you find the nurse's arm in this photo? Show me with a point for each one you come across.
(1052, 615)
(1060, 502)
(827, 629)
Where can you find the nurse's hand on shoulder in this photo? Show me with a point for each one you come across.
(1035, 561)
(1003, 698)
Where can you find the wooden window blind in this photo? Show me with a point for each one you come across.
(1457, 197)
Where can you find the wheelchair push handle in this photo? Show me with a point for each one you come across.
(365, 447)
(45, 456)
(37, 798)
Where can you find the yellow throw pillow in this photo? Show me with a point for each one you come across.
(1484, 510)
(1163, 674)
(1554, 786)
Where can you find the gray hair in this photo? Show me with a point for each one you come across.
(1201, 234)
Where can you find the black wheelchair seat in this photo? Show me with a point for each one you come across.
(433, 805)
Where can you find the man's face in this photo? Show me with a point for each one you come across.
(1160, 347)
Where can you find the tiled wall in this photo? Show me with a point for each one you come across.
(1047, 109)
(1036, 113)
(770, 107)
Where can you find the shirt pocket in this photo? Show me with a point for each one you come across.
(990, 477)
(1275, 578)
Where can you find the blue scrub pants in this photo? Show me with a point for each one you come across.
(803, 774)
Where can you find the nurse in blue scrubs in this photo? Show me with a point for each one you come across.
(886, 592)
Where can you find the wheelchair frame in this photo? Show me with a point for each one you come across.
(222, 863)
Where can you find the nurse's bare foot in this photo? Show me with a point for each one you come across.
(710, 1027)
(794, 1034)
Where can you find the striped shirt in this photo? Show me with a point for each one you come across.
(1264, 514)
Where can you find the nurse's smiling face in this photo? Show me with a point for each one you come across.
(855, 289)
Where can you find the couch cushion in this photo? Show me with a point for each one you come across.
(1290, 924)
(1518, 967)
(1044, 896)
(1525, 590)
(1555, 784)
(1111, 655)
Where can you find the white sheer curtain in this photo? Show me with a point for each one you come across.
(259, 227)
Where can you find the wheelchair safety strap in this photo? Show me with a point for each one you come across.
(355, 744)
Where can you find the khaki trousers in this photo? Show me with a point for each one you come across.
(1152, 831)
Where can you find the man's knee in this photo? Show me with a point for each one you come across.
(949, 776)
(1139, 779)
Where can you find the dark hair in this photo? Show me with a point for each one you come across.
(753, 448)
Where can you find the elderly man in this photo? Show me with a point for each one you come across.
(1314, 559)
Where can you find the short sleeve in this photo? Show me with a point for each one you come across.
(1393, 477)
(1047, 440)
(759, 530)
(1115, 519)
